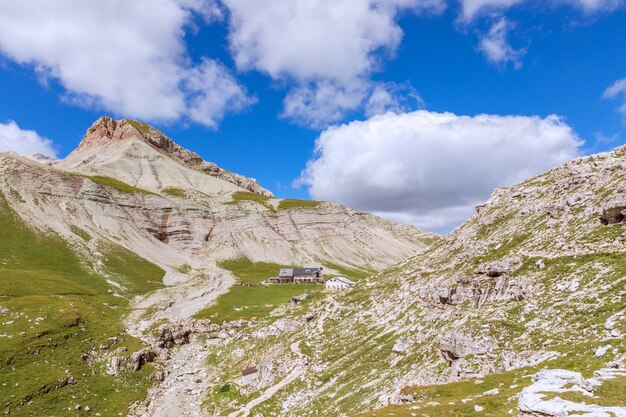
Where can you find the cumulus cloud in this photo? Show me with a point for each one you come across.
(327, 48)
(24, 142)
(394, 97)
(496, 48)
(495, 43)
(431, 169)
(126, 57)
(473, 8)
(618, 89)
(211, 92)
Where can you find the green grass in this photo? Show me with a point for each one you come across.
(140, 126)
(241, 196)
(610, 393)
(292, 204)
(117, 184)
(242, 302)
(184, 268)
(174, 192)
(445, 399)
(251, 272)
(80, 233)
(249, 303)
(53, 308)
(354, 274)
(604, 233)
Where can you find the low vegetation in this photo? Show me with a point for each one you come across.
(117, 184)
(242, 302)
(241, 196)
(250, 272)
(140, 126)
(355, 273)
(292, 203)
(80, 233)
(174, 192)
(256, 301)
(54, 309)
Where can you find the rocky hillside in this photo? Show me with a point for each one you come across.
(535, 281)
(130, 231)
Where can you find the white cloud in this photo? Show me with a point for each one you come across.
(325, 47)
(126, 57)
(496, 48)
(618, 89)
(495, 43)
(431, 169)
(317, 104)
(392, 97)
(24, 142)
(473, 8)
(212, 91)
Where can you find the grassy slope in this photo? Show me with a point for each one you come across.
(242, 302)
(117, 184)
(253, 302)
(53, 309)
(293, 203)
(354, 273)
(174, 192)
(251, 272)
(241, 196)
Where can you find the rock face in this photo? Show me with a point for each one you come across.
(542, 397)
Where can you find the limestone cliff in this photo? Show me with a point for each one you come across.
(143, 156)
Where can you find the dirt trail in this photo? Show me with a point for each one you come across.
(269, 393)
(181, 393)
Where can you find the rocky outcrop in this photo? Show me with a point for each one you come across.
(613, 211)
(542, 398)
(111, 146)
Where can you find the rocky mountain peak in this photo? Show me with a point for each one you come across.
(106, 132)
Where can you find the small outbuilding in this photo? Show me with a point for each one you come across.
(338, 284)
(248, 375)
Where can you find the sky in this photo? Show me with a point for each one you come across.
(411, 109)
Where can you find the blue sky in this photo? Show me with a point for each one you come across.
(261, 87)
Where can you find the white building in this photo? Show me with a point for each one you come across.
(338, 283)
(248, 375)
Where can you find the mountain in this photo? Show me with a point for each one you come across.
(520, 311)
(110, 257)
(131, 285)
(144, 157)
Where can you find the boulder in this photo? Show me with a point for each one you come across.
(494, 269)
(542, 399)
(173, 335)
(141, 357)
(613, 211)
(401, 345)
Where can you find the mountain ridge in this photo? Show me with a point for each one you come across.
(526, 297)
(154, 219)
(106, 133)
